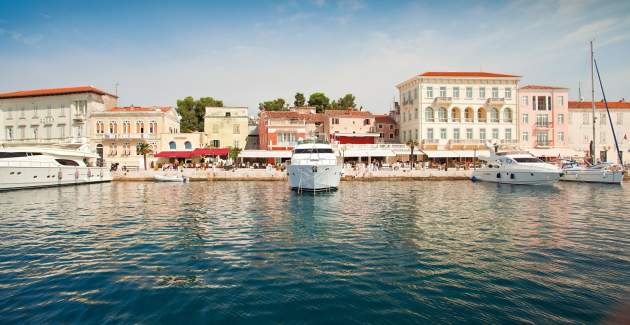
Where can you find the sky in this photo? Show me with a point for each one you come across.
(246, 52)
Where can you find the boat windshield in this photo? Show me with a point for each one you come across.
(528, 160)
(314, 150)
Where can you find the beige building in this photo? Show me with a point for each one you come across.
(118, 130)
(182, 141)
(52, 116)
(226, 126)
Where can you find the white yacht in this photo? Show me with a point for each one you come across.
(31, 167)
(600, 173)
(521, 168)
(314, 167)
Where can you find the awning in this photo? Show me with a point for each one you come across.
(211, 152)
(557, 152)
(455, 153)
(265, 154)
(174, 154)
(356, 135)
(352, 153)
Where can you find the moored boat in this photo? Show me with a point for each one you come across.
(314, 167)
(170, 178)
(601, 173)
(519, 168)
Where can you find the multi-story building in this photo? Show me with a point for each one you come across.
(458, 110)
(349, 126)
(52, 116)
(580, 128)
(117, 131)
(281, 130)
(543, 113)
(387, 129)
(226, 126)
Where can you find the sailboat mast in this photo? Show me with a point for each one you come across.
(593, 105)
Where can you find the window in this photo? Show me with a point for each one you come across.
(9, 133)
(187, 145)
(366, 121)
(49, 111)
(507, 115)
(62, 111)
(381, 135)
(586, 119)
(216, 143)
(560, 118)
(494, 115)
(35, 132)
(335, 120)
(443, 133)
(416, 112)
(541, 103)
(429, 92)
(560, 136)
(430, 133)
(140, 127)
(619, 118)
(508, 134)
(542, 120)
(380, 125)
(542, 139)
(391, 136)
(560, 100)
(126, 127)
(525, 100)
(35, 111)
(525, 136)
(415, 93)
(61, 130)
(416, 133)
(469, 134)
(113, 128)
(442, 91)
(456, 134)
(482, 92)
(495, 134)
(469, 92)
(508, 93)
(172, 145)
(456, 92)
(236, 129)
(495, 92)
(228, 114)
(443, 115)
(482, 134)
(429, 117)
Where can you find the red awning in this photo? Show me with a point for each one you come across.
(174, 154)
(211, 152)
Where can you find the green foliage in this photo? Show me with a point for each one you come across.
(299, 100)
(319, 101)
(411, 143)
(193, 111)
(278, 104)
(345, 102)
(234, 152)
(143, 148)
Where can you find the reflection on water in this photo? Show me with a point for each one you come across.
(373, 251)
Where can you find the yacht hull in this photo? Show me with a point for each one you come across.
(516, 177)
(18, 177)
(592, 176)
(314, 177)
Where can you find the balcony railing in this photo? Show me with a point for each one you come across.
(127, 136)
(544, 125)
(543, 143)
(495, 101)
(443, 100)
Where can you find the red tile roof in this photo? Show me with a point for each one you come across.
(288, 115)
(54, 91)
(467, 74)
(384, 119)
(542, 87)
(347, 112)
(163, 109)
(599, 105)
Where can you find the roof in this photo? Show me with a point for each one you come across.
(600, 105)
(163, 109)
(384, 119)
(288, 115)
(467, 74)
(542, 87)
(54, 91)
(347, 112)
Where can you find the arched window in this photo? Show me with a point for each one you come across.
(456, 115)
(469, 115)
(126, 127)
(153, 127)
(429, 117)
(113, 128)
(507, 115)
(443, 114)
(482, 115)
(139, 127)
(172, 145)
(494, 115)
(187, 145)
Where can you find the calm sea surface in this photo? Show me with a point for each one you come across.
(381, 252)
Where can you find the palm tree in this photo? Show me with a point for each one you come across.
(412, 144)
(143, 148)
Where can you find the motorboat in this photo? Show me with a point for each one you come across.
(170, 178)
(314, 167)
(32, 167)
(601, 173)
(519, 168)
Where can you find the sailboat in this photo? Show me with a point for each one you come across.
(603, 172)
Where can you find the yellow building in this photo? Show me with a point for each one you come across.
(226, 126)
(119, 129)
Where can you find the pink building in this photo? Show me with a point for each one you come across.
(543, 113)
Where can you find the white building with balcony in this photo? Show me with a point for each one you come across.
(452, 114)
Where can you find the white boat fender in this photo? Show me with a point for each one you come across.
(60, 175)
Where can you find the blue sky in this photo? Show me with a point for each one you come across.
(245, 52)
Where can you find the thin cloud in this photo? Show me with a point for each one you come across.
(19, 37)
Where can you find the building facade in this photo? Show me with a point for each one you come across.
(349, 126)
(117, 131)
(226, 126)
(387, 129)
(459, 110)
(52, 116)
(543, 113)
(580, 128)
(281, 130)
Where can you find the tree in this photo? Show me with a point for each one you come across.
(412, 144)
(193, 112)
(233, 154)
(277, 104)
(319, 101)
(299, 100)
(344, 102)
(143, 148)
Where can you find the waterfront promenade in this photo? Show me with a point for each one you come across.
(245, 174)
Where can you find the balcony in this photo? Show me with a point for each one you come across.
(79, 117)
(543, 143)
(544, 125)
(443, 100)
(496, 101)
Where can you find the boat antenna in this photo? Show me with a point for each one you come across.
(593, 105)
(608, 112)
